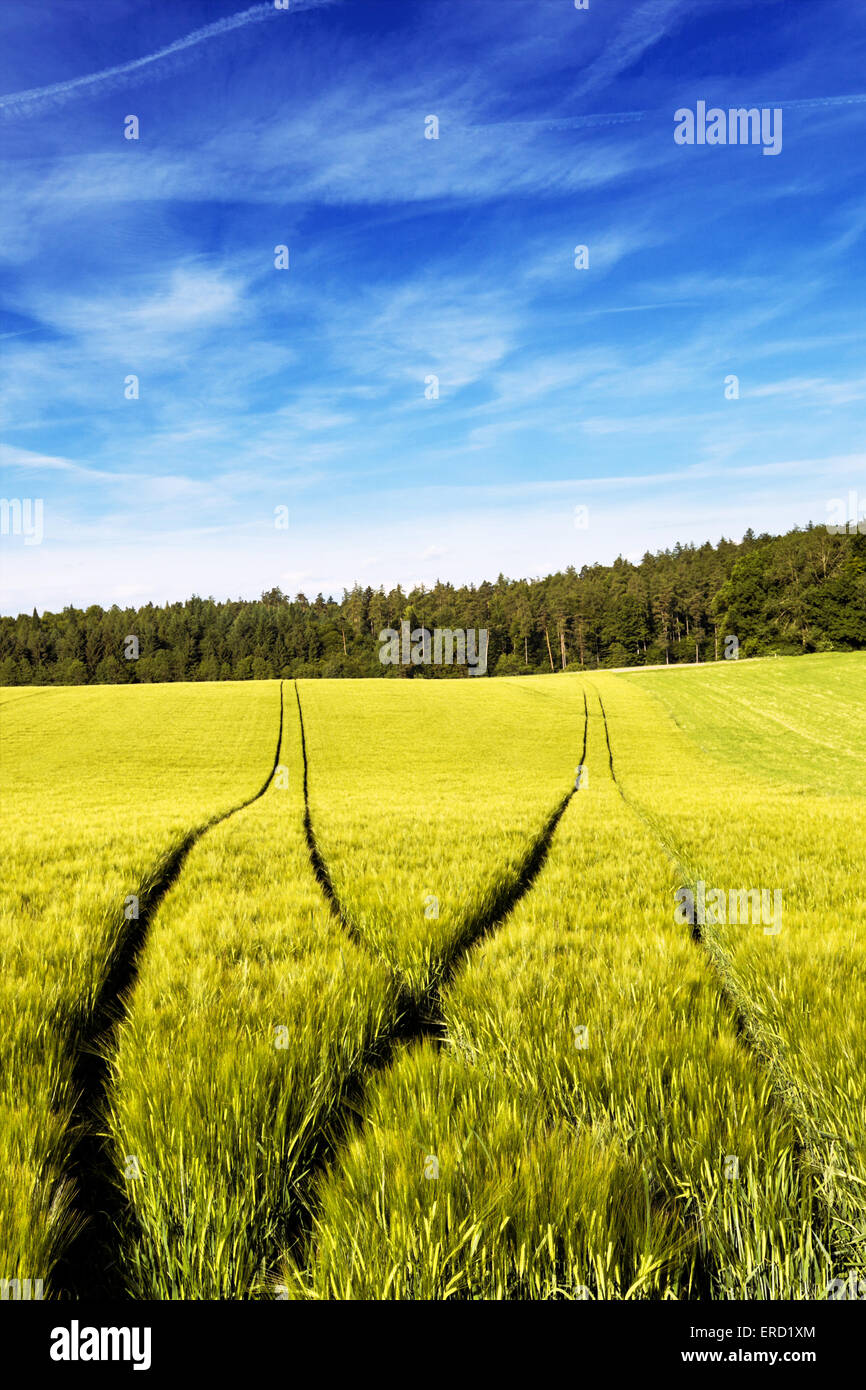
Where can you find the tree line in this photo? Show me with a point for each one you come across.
(804, 591)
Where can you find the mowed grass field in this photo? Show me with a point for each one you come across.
(354, 990)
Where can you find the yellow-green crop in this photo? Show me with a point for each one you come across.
(592, 1126)
(101, 787)
(408, 1013)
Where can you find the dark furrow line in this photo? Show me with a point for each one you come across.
(416, 1020)
(87, 1266)
(784, 1090)
(425, 1014)
(504, 904)
(657, 1201)
(609, 749)
(320, 868)
(633, 806)
(738, 1017)
(703, 1267)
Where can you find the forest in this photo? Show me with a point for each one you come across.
(804, 591)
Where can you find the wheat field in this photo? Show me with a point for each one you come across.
(537, 988)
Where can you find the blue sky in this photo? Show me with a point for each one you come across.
(304, 388)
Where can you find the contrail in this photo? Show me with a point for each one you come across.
(16, 102)
(854, 100)
(624, 117)
(567, 122)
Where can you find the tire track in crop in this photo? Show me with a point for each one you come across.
(414, 1021)
(734, 1004)
(506, 901)
(320, 868)
(747, 1026)
(86, 1266)
(424, 1019)
(636, 810)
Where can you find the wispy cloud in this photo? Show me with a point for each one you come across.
(413, 258)
(29, 102)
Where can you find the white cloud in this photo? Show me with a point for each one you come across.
(30, 102)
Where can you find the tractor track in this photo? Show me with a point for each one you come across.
(416, 1021)
(87, 1266)
(748, 1033)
